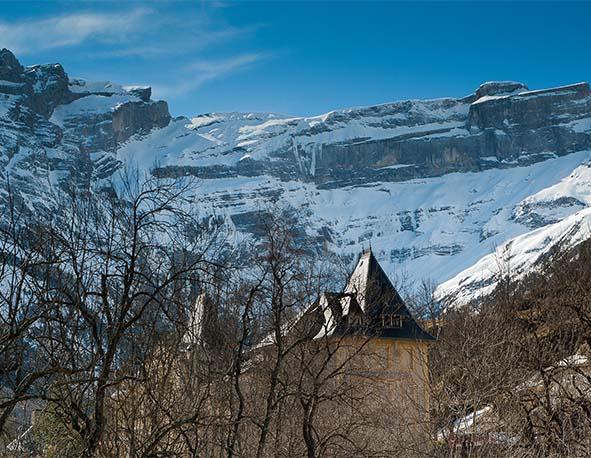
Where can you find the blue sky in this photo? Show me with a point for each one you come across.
(303, 57)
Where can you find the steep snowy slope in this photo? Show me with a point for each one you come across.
(434, 184)
(565, 212)
(515, 258)
(422, 228)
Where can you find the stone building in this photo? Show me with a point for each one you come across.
(367, 335)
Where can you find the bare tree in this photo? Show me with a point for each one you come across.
(25, 275)
(118, 273)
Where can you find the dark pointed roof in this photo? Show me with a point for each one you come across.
(359, 309)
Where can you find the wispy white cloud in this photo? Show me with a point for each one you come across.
(165, 37)
(194, 40)
(200, 72)
(209, 69)
(139, 32)
(29, 36)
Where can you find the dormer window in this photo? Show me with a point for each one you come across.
(355, 319)
(390, 320)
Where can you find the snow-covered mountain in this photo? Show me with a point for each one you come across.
(561, 217)
(435, 185)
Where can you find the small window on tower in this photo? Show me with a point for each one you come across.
(391, 321)
(355, 319)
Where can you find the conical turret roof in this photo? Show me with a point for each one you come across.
(384, 312)
(368, 306)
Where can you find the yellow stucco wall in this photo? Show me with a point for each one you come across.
(394, 372)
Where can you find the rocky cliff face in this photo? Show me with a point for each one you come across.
(501, 125)
(56, 132)
(434, 184)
